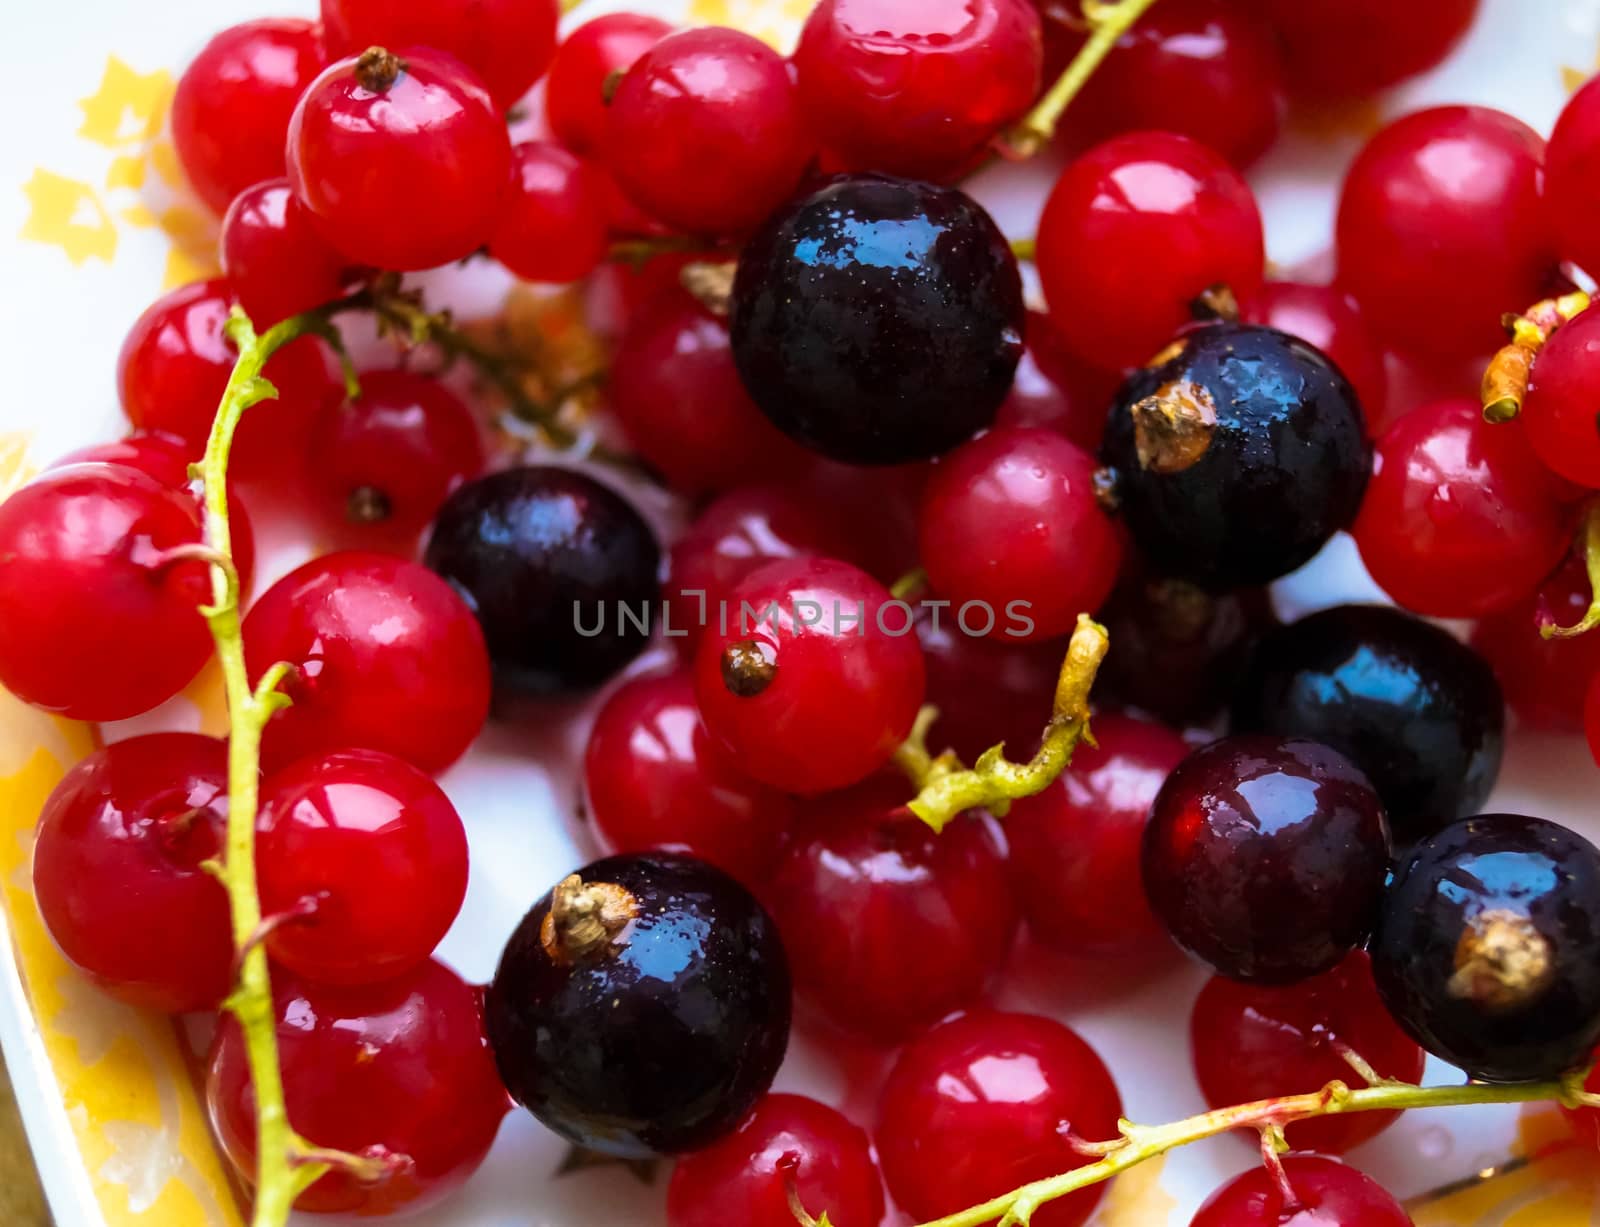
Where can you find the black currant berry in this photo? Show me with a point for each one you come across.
(1417, 711)
(1266, 857)
(1238, 457)
(560, 570)
(878, 320)
(1487, 949)
(642, 1007)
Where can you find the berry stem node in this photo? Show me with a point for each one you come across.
(1505, 382)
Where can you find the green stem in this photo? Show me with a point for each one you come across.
(1591, 558)
(1025, 250)
(1140, 1143)
(1108, 22)
(994, 782)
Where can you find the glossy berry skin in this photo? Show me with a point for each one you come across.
(1487, 950)
(574, 91)
(398, 1069)
(1054, 390)
(537, 551)
(1075, 847)
(1203, 68)
(1418, 712)
(890, 926)
(705, 131)
(653, 778)
(1572, 178)
(982, 1104)
(552, 226)
(1161, 201)
(917, 90)
(1258, 493)
(675, 390)
(1350, 48)
(1252, 1042)
(95, 622)
(507, 43)
(844, 675)
(174, 366)
(659, 1041)
(360, 140)
(376, 852)
(1441, 229)
(116, 870)
(275, 260)
(745, 1177)
(1460, 519)
(383, 655)
(878, 320)
(1327, 1194)
(232, 105)
(1327, 318)
(1012, 517)
(1591, 718)
(1544, 680)
(1265, 857)
(987, 690)
(386, 461)
(1559, 415)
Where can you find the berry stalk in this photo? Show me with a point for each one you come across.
(1107, 22)
(1591, 559)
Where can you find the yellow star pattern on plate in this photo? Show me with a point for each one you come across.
(68, 214)
(128, 106)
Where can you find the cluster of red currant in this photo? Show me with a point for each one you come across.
(911, 491)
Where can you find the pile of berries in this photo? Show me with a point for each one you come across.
(907, 482)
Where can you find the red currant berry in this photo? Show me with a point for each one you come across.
(1253, 1042)
(386, 461)
(366, 859)
(384, 656)
(678, 395)
(987, 690)
(736, 534)
(1075, 846)
(398, 1071)
(1441, 229)
(1561, 414)
(705, 131)
(788, 1142)
(553, 225)
(1544, 680)
(1350, 48)
(1328, 318)
(1054, 390)
(1326, 1194)
(987, 1102)
(1266, 857)
(814, 678)
(276, 262)
(1162, 202)
(1459, 519)
(379, 128)
(654, 779)
(890, 926)
(99, 619)
(1591, 718)
(917, 89)
(1572, 178)
(507, 43)
(231, 108)
(575, 88)
(1010, 523)
(117, 870)
(1202, 68)
(175, 364)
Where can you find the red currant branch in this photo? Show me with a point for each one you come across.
(1591, 558)
(1108, 21)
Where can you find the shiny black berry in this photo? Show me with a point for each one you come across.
(560, 570)
(642, 1007)
(1266, 857)
(1418, 712)
(878, 320)
(1238, 457)
(1487, 949)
